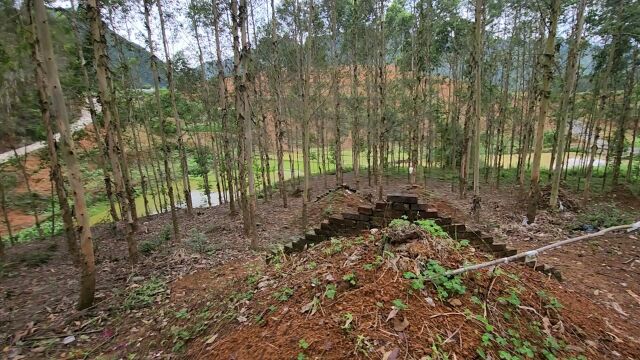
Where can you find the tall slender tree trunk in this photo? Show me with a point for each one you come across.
(624, 117)
(477, 96)
(381, 94)
(569, 88)
(163, 122)
(242, 53)
(547, 75)
(50, 81)
(335, 81)
(110, 116)
(224, 116)
(186, 187)
(355, 128)
(278, 116)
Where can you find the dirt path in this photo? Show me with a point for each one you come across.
(83, 120)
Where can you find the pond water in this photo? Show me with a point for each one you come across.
(198, 197)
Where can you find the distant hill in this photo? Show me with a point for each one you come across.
(137, 56)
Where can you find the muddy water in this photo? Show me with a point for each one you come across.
(101, 214)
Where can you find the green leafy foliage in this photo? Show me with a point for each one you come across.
(335, 247)
(351, 279)
(445, 285)
(283, 294)
(432, 228)
(399, 223)
(145, 294)
(330, 291)
(197, 241)
(149, 246)
(399, 304)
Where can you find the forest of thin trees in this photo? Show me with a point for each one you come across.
(541, 94)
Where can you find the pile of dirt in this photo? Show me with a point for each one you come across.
(363, 297)
(335, 202)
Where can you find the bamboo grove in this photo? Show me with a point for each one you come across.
(265, 94)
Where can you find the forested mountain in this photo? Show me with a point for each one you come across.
(23, 124)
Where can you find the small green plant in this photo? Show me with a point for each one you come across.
(335, 247)
(182, 314)
(330, 291)
(348, 319)
(277, 256)
(432, 228)
(399, 223)
(363, 345)
(461, 244)
(398, 304)
(445, 285)
(312, 265)
(304, 345)
(144, 295)
(417, 280)
(351, 279)
(551, 301)
(197, 241)
(253, 278)
(180, 338)
(374, 265)
(283, 294)
(513, 298)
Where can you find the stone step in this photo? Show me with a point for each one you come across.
(313, 237)
(442, 221)
(402, 198)
(419, 206)
(430, 213)
(475, 238)
(498, 247)
(454, 228)
(356, 217)
(505, 253)
(365, 210)
(400, 206)
(381, 205)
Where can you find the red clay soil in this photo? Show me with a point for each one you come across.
(606, 269)
(356, 323)
(206, 284)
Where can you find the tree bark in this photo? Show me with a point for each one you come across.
(569, 87)
(547, 63)
(52, 79)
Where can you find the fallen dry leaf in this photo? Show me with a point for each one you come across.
(211, 339)
(635, 296)
(391, 355)
(400, 325)
(618, 308)
(392, 314)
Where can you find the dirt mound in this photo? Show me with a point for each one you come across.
(365, 297)
(335, 202)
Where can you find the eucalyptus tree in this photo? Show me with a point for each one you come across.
(163, 121)
(186, 187)
(546, 64)
(571, 73)
(241, 54)
(50, 88)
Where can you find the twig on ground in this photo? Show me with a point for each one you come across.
(86, 356)
(535, 252)
(62, 335)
